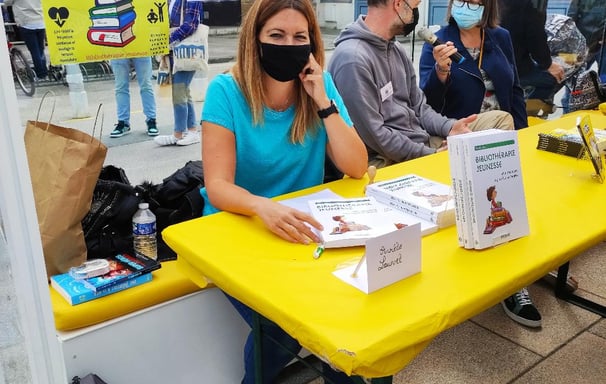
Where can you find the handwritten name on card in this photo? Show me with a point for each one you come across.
(388, 259)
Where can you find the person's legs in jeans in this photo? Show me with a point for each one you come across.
(34, 40)
(602, 62)
(274, 357)
(183, 107)
(143, 68)
(121, 69)
(544, 85)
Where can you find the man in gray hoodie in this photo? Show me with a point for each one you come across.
(377, 81)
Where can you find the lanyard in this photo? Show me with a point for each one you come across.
(481, 50)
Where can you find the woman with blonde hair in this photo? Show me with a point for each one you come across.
(267, 126)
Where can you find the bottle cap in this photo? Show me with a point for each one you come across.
(143, 205)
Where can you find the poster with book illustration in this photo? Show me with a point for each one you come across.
(98, 30)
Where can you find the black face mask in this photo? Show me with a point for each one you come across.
(284, 62)
(411, 27)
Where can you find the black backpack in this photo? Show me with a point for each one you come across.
(107, 226)
(174, 200)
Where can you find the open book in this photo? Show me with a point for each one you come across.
(351, 222)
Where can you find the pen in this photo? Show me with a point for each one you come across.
(319, 250)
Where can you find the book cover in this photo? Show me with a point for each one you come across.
(424, 198)
(111, 9)
(351, 222)
(75, 292)
(122, 267)
(495, 189)
(568, 142)
(590, 143)
(458, 174)
(111, 37)
(110, 22)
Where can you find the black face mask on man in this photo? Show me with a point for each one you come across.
(411, 26)
(284, 62)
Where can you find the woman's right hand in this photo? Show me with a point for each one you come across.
(288, 223)
(442, 53)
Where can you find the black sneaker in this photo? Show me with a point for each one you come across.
(120, 129)
(152, 129)
(520, 308)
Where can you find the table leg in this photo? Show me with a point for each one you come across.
(562, 293)
(256, 329)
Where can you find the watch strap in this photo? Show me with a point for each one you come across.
(324, 113)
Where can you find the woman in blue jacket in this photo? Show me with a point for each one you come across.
(486, 79)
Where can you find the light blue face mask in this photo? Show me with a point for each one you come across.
(466, 18)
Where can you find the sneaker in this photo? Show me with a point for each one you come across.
(189, 138)
(164, 140)
(152, 129)
(520, 308)
(120, 129)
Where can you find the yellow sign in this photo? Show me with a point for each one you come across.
(81, 31)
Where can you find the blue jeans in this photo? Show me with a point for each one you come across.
(143, 68)
(274, 357)
(34, 40)
(183, 105)
(542, 85)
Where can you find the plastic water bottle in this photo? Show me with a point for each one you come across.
(144, 232)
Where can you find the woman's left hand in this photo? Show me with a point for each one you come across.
(312, 78)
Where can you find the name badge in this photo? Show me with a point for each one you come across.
(386, 91)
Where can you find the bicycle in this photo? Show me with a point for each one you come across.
(22, 73)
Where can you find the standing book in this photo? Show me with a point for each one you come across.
(493, 193)
(76, 292)
(351, 222)
(424, 198)
(590, 142)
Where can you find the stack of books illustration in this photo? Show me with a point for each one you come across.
(112, 23)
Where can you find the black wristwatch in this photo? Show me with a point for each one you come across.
(324, 113)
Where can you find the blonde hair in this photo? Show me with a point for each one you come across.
(247, 70)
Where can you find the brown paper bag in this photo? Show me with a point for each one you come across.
(64, 165)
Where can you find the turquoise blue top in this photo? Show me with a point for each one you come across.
(267, 163)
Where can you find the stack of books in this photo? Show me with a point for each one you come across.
(112, 23)
(490, 205)
(423, 198)
(125, 271)
(569, 142)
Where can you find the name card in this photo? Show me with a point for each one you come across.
(388, 258)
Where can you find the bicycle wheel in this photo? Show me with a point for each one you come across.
(22, 72)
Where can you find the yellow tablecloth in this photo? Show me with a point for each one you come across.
(376, 335)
